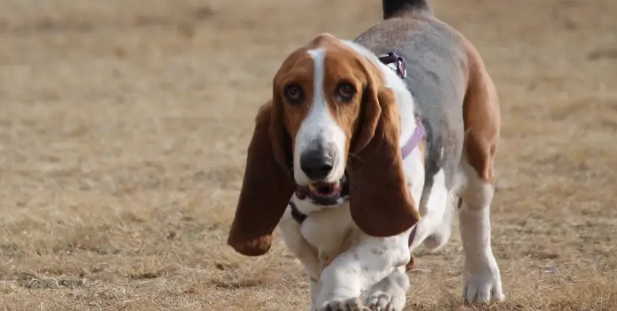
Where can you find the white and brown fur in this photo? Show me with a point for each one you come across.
(359, 247)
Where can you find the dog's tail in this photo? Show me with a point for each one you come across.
(397, 8)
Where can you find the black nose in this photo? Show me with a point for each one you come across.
(316, 164)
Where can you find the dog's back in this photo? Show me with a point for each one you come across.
(436, 70)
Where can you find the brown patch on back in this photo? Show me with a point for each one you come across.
(481, 117)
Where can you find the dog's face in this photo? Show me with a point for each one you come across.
(319, 90)
(330, 114)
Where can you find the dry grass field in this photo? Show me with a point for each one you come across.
(124, 126)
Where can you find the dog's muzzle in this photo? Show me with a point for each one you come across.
(325, 194)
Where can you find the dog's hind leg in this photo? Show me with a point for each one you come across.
(481, 276)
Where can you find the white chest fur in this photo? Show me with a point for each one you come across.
(327, 232)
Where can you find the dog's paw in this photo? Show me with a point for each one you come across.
(389, 294)
(353, 304)
(482, 288)
(384, 302)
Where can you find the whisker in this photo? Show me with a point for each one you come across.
(351, 154)
(288, 170)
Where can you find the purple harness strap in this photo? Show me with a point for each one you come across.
(401, 71)
(413, 142)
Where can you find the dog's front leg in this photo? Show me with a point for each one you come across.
(360, 267)
(302, 250)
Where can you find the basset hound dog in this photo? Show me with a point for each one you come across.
(367, 149)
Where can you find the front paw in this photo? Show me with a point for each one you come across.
(352, 304)
(482, 288)
(382, 301)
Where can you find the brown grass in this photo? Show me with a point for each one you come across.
(124, 127)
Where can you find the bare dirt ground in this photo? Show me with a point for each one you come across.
(124, 126)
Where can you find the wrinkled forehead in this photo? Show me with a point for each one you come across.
(325, 57)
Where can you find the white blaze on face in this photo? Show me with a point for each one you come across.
(319, 129)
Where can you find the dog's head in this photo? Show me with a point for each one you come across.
(330, 114)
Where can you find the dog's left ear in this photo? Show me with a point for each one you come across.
(380, 202)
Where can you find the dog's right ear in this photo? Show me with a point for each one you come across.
(267, 185)
(380, 202)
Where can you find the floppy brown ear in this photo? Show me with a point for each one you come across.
(266, 188)
(380, 201)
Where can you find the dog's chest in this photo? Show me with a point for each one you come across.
(329, 231)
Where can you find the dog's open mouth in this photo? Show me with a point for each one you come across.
(325, 190)
(323, 193)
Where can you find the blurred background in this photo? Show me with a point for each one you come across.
(123, 134)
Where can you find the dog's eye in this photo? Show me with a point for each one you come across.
(345, 91)
(294, 94)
